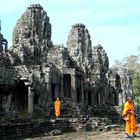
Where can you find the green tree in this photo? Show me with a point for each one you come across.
(136, 83)
(132, 64)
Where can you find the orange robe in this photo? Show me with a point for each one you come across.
(131, 126)
(57, 108)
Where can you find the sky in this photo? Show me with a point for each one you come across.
(114, 24)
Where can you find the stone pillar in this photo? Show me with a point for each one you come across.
(30, 100)
(92, 96)
(73, 88)
(103, 99)
(106, 95)
(48, 82)
(49, 91)
(99, 98)
(82, 90)
(87, 96)
(123, 98)
(8, 103)
(113, 101)
(61, 90)
(57, 91)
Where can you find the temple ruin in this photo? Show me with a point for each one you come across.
(34, 71)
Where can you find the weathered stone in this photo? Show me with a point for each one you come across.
(3, 42)
(32, 36)
(77, 73)
(34, 72)
(80, 47)
(125, 84)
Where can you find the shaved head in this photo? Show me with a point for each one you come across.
(129, 99)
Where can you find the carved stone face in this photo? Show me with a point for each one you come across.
(32, 35)
(79, 45)
(33, 25)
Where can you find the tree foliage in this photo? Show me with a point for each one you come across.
(132, 64)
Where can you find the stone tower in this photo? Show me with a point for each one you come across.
(79, 45)
(32, 35)
(100, 64)
(126, 85)
(3, 42)
(43, 71)
(99, 68)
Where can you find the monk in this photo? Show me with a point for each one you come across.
(131, 126)
(57, 107)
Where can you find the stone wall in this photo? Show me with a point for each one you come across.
(40, 71)
(26, 127)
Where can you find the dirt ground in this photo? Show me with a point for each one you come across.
(89, 135)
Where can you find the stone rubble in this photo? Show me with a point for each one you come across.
(34, 71)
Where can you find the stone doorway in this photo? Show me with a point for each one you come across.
(89, 98)
(19, 99)
(78, 95)
(5, 99)
(67, 85)
(85, 92)
(36, 98)
(53, 88)
(96, 99)
(14, 99)
(115, 96)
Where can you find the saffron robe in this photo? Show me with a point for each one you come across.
(57, 108)
(131, 126)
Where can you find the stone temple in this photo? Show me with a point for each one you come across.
(34, 71)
